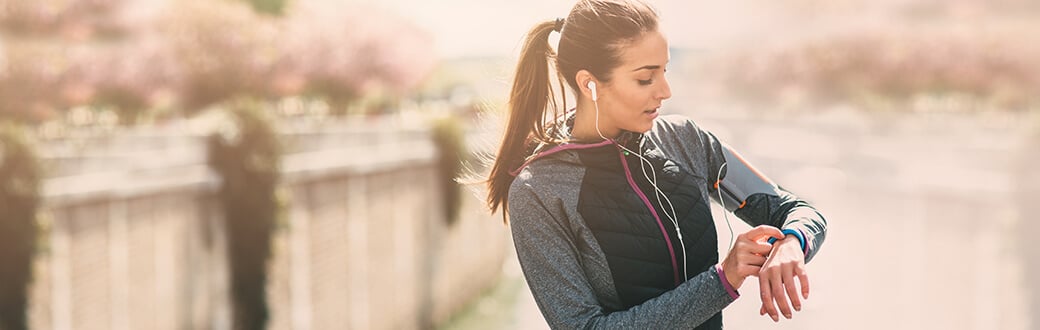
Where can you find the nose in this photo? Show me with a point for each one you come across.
(666, 89)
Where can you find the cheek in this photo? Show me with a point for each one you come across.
(627, 104)
(632, 103)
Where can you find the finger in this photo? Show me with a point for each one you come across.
(759, 247)
(764, 231)
(777, 286)
(792, 292)
(748, 270)
(762, 310)
(804, 278)
(755, 260)
(767, 297)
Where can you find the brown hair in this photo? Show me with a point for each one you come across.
(592, 38)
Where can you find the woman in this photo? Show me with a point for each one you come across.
(608, 204)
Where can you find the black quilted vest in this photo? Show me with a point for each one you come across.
(627, 230)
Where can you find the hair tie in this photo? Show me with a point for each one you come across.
(559, 25)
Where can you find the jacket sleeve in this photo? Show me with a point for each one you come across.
(752, 197)
(550, 259)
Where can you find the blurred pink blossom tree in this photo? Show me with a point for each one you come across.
(59, 54)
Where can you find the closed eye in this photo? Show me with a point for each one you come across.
(651, 80)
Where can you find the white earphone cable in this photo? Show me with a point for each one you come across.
(725, 212)
(658, 193)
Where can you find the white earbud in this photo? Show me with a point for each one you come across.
(592, 87)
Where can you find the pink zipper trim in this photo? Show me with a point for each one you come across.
(558, 149)
(632, 183)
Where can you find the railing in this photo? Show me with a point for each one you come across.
(139, 244)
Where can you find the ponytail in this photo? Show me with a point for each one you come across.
(530, 98)
(596, 31)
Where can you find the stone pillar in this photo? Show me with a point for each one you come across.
(118, 230)
(357, 240)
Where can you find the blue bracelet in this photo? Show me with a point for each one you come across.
(801, 240)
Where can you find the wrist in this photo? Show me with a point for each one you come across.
(727, 282)
(734, 279)
(792, 235)
(792, 240)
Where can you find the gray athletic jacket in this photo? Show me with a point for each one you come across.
(599, 247)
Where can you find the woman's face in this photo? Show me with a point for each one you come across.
(630, 101)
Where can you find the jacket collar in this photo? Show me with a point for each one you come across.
(628, 139)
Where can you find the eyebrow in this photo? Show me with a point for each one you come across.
(651, 66)
(648, 67)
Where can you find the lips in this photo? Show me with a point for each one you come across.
(651, 114)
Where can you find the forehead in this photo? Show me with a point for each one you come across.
(649, 49)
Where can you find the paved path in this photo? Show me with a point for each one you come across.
(924, 216)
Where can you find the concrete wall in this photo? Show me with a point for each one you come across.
(364, 245)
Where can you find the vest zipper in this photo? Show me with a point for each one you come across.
(646, 201)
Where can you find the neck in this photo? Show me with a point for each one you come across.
(585, 124)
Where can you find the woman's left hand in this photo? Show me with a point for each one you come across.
(776, 278)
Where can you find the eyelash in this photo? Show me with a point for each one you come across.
(648, 81)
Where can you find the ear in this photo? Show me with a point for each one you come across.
(583, 77)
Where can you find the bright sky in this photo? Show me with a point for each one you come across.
(496, 27)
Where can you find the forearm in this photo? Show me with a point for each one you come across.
(811, 224)
(564, 289)
(786, 211)
(688, 305)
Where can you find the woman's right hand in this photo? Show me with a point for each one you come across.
(748, 254)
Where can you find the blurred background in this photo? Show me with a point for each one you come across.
(288, 164)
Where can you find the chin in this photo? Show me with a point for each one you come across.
(644, 126)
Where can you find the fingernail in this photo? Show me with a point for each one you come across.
(798, 308)
(788, 316)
